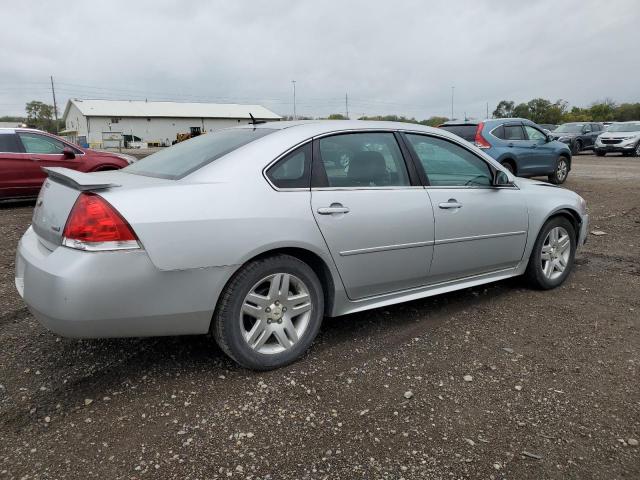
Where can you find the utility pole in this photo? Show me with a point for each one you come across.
(346, 104)
(55, 105)
(295, 117)
(452, 89)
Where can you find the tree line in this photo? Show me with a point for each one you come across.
(540, 110)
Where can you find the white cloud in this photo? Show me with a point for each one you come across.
(391, 57)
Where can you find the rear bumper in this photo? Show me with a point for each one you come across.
(113, 294)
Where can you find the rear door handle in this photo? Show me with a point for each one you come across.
(334, 208)
(452, 203)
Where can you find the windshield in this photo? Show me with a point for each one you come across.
(188, 156)
(570, 128)
(625, 127)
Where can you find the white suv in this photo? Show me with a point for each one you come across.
(621, 137)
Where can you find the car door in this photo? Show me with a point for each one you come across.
(518, 145)
(15, 168)
(376, 219)
(44, 151)
(479, 228)
(543, 155)
(595, 131)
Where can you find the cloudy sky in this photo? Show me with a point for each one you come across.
(391, 57)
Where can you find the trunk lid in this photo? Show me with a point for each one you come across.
(60, 192)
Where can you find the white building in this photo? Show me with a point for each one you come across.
(97, 122)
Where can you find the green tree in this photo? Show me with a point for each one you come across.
(603, 111)
(434, 121)
(40, 115)
(521, 111)
(337, 116)
(504, 109)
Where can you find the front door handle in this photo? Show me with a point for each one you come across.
(452, 203)
(334, 208)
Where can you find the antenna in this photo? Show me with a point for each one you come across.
(254, 121)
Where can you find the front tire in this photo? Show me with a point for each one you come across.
(553, 254)
(576, 148)
(561, 172)
(269, 313)
(600, 153)
(636, 151)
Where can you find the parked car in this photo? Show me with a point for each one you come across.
(23, 153)
(519, 145)
(548, 127)
(623, 137)
(232, 234)
(578, 135)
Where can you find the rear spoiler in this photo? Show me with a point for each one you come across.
(78, 180)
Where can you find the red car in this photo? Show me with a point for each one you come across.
(24, 151)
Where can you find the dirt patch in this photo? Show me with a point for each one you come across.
(505, 382)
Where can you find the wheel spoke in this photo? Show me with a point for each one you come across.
(564, 243)
(290, 330)
(553, 235)
(546, 252)
(562, 262)
(548, 268)
(282, 338)
(258, 335)
(251, 310)
(260, 300)
(300, 308)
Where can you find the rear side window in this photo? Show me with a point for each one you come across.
(363, 160)
(468, 132)
(9, 143)
(513, 132)
(294, 170)
(498, 132)
(186, 157)
(449, 165)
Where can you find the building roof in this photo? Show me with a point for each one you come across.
(138, 108)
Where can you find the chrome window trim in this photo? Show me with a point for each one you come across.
(397, 187)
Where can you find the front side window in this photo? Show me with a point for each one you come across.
(363, 160)
(513, 132)
(534, 133)
(186, 157)
(449, 165)
(9, 143)
(34, 143)
(294, 170)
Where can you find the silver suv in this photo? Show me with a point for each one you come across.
(623, 137)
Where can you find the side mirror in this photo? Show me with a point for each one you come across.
(500, 179)
(549, 138)
(68, 153)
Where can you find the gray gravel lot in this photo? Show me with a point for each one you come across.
(493, 382)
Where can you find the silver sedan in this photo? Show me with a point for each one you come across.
(254, 234)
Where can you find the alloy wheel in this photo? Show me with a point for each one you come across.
(562, 170)
(275, 313)
(555, 253)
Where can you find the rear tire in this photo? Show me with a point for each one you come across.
(509, 166)
(269, 313)
(561, 172)
(553, 254)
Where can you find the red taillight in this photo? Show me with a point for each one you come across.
(94, 224)
(480, 141)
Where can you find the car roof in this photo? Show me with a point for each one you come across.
(19, 129)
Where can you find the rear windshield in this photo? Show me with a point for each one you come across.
(468, 132)
(188, 156)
